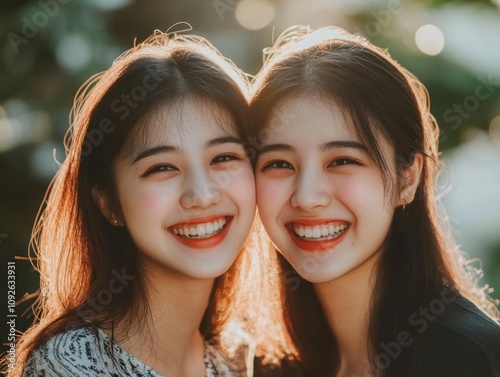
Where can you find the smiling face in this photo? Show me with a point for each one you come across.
(187, 195)
(320, 195)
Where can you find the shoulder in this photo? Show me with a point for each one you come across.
(462, 340)
(76, 352)
(84, 352)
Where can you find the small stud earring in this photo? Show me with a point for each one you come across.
(115, 221)
(404, 203)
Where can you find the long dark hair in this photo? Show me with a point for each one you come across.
(79, 253)
(382, 99)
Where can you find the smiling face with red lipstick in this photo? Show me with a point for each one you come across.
(346, 176)
(155, 212)
(187, 193)
(320, 195)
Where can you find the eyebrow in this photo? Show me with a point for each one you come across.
(343, 144)
(324, 147)
(276, 148)
(170, 148)
(155, 150)
(223, 140)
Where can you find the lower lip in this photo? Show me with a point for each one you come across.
(315, 245)
(206, 243)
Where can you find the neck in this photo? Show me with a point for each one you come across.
(346, 303)
(169, 340)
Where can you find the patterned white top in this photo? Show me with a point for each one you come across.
(83, 353)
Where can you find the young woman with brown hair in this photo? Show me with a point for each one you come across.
(144, 219)
(346, 177)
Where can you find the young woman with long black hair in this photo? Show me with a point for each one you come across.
(346, 177)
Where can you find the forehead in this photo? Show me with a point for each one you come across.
(307, 119)
(307, 122)
(187, 120)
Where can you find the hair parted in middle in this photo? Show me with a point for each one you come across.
(381, 99)
(78, 251)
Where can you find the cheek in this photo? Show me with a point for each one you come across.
(144, 202)
(272, 195)
(242, 187)
(363, 191)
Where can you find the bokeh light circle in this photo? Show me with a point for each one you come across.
(495, 128)
(429, 39)
(74, 52)
(254, 14)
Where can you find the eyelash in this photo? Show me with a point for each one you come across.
(226, 157)
(336, 162)
(159, 168)
(167, 168)
(346, 160)
(273, 165)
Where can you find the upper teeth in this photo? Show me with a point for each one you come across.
(318, 231)
(200, 230)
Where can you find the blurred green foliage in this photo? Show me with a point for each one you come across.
(35, 79)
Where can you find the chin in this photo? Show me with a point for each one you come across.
(315, 278)
(315, 270)
(208, 271)
(208, 274)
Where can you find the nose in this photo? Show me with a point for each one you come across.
(199, 190)
(311, 190)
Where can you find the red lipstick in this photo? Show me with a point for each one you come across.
(313, 245)
(206, 242)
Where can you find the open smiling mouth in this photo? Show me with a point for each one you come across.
(201, 231)
(320, 237)
(323, 232)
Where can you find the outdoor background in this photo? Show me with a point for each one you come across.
(48, 48)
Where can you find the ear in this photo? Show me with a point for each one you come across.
(411, 180)
(104, 203)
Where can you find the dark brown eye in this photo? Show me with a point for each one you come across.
(277, 165)
(159, 168)
(224, 158)
(343, 161)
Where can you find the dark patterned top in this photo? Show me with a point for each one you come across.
(84, 352)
